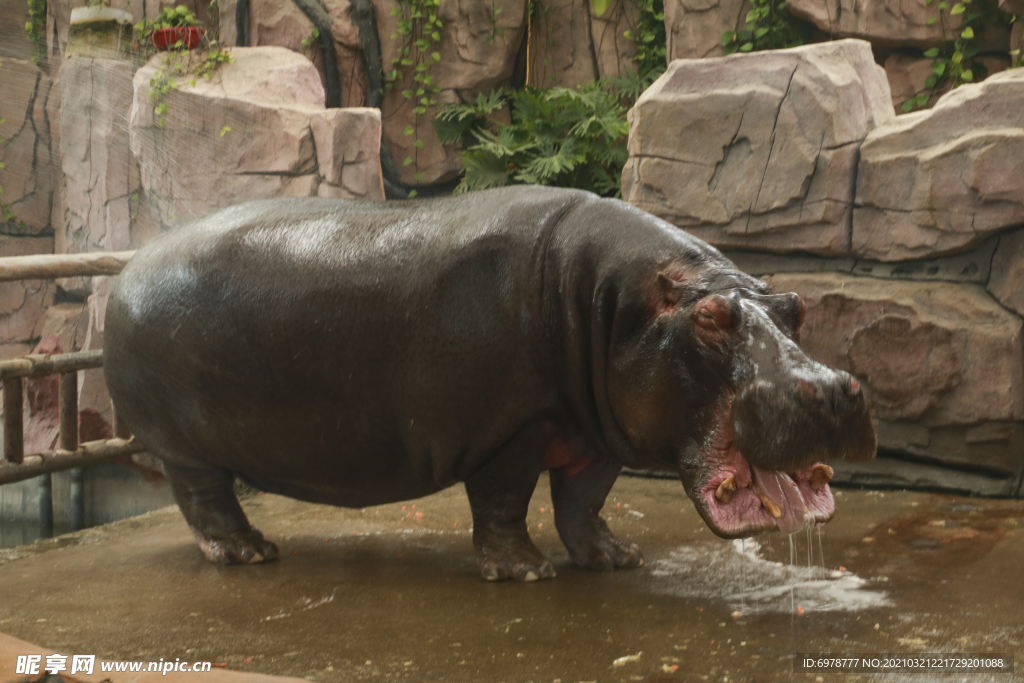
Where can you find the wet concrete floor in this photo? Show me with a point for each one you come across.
(391, 593)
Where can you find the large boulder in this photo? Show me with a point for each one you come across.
(758, 151)
(694, 28)
(31, 175)
(247, 133)
(891, 23)
(941, 362)
(940, 181)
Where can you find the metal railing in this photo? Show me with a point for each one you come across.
(70, 454)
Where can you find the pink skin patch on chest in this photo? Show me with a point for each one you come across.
(561, 453)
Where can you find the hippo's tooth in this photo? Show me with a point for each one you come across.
(820, 475)
(769, 504)
(726, 490)
(771, 507)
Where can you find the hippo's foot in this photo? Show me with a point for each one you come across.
(596, 547)
(504, 554)
(240, 547)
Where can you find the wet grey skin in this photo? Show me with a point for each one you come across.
(360, 353)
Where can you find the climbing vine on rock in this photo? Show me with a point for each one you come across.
(6, 209)
(649, 39)
(954, 64)
(770, 26)
(419, 32)
(35, 29)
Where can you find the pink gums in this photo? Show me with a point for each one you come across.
(745, 515)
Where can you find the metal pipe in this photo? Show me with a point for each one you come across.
(77, 499)
(67, 406)
(46, 506)
(14, 426)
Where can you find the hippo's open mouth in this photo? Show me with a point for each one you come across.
(740, 499)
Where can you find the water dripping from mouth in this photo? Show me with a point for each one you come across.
(792, 588)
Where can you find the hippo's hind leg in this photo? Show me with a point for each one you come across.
(578, 498)
(499, 496)
(208, 502)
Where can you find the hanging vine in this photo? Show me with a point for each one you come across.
(953, 64)
(419, 32)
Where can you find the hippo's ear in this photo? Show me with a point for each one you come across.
(669, 293)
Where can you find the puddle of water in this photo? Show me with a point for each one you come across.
(24, 532)
(736, 574)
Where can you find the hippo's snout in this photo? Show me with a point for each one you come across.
(790, 423)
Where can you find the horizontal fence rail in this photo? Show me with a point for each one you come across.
(70, 454)
(47, 266)
(47, 462)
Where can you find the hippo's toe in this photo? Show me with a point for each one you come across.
(242, 547)
(608, 554)
(519, 570)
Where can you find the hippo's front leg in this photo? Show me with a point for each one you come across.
(578, 497)
(499, 496)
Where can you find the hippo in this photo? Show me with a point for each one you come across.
(360, 353)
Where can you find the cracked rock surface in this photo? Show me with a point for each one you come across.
(941, 362)
(248, 133)
(31, 176)
(758, 151)
(942, 180)
(889, 22)
(694, 28)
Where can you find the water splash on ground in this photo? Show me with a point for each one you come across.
(736, 574)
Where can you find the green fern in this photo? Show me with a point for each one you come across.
(562, 137)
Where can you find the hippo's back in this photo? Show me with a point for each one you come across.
(306, 343)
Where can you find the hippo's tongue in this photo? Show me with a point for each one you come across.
(781, 498)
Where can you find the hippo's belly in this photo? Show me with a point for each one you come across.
(295, 352)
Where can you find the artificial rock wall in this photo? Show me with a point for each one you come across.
(904, 236)
(904, 233)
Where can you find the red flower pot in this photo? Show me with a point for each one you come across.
(166, 38)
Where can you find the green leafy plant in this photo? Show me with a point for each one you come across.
(6, 210)
(563, 137)
(35, 29)
(954, 64)
(170, 17)
(312, 37)
(419, 31)
(179, 62)
(649, 38)
(1016, 56)
(770, 26)
(496, 31)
